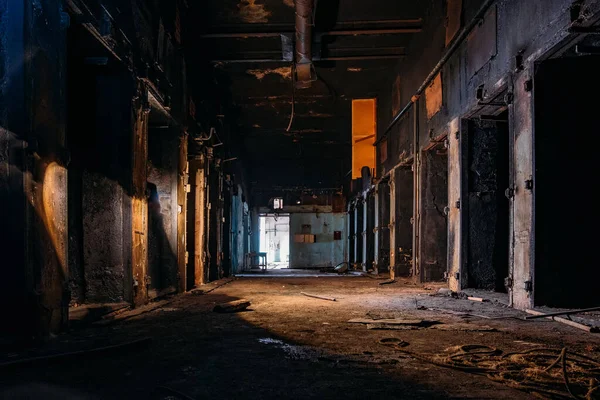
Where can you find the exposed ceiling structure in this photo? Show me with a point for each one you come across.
(290, 132)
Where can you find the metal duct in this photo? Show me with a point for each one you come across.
(304, 67)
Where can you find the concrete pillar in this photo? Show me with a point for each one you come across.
(197, 273)
(522, 250)
(33, 169)
(182, 185)
(139, 203)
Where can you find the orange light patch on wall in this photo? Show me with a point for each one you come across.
(433, 96)
(364, 127)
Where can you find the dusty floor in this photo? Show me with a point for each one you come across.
(288, 345)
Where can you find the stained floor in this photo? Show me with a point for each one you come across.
(287, 345)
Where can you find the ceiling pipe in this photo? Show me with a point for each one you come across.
(304, 66)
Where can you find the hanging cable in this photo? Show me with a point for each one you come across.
(293, 97)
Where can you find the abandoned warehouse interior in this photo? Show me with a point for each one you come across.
(385, 197)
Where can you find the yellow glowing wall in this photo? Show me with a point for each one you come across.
(364, 127)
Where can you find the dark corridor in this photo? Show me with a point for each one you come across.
(566, 171)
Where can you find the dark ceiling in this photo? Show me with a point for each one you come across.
(243, 50)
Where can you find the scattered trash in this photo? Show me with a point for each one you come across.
(591, 329)
(292, 351)
(389, 321)
(232, 306)
(316, 296)
(393, 342)
(479, 299)
(387, 282)
(464, 327)
(444, 292)
(389, 327)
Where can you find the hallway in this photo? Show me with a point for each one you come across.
(287, 345)
(299, 199)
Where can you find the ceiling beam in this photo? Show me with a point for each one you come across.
(348, 32)
(329, 58)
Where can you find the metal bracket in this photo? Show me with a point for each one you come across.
(457, 204)
(528, 286)
(529, 184)
(509, 193)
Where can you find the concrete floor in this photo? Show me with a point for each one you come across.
(287, 345)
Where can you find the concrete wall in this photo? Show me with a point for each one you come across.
(488, 57)
(33, 175)
(325, 251)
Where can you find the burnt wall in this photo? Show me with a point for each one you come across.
(520, 26)
(487, 206)
(434, 222)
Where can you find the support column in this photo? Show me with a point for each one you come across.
(522, 247)
(365, 228)
(376, 222)
(139, 203)
(392, 225)
(182, 184)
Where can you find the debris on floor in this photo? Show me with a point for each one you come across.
(389, 321)
(393, 342)
(232, 306)
(316, 296)
(464, 327)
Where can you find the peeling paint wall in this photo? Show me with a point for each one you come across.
(33, 177)
(325, 252)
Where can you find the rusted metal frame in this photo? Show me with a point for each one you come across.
(456, 43)
(416, 223)
(303, 58)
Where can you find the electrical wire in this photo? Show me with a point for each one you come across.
(293, 97)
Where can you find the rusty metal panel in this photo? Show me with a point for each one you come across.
(482, 43)
(453, 19)
(455, 185)
(434, 97)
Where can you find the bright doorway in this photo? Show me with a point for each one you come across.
(275, 239)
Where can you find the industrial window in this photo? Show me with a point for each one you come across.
(363, 135)
(278, 203)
